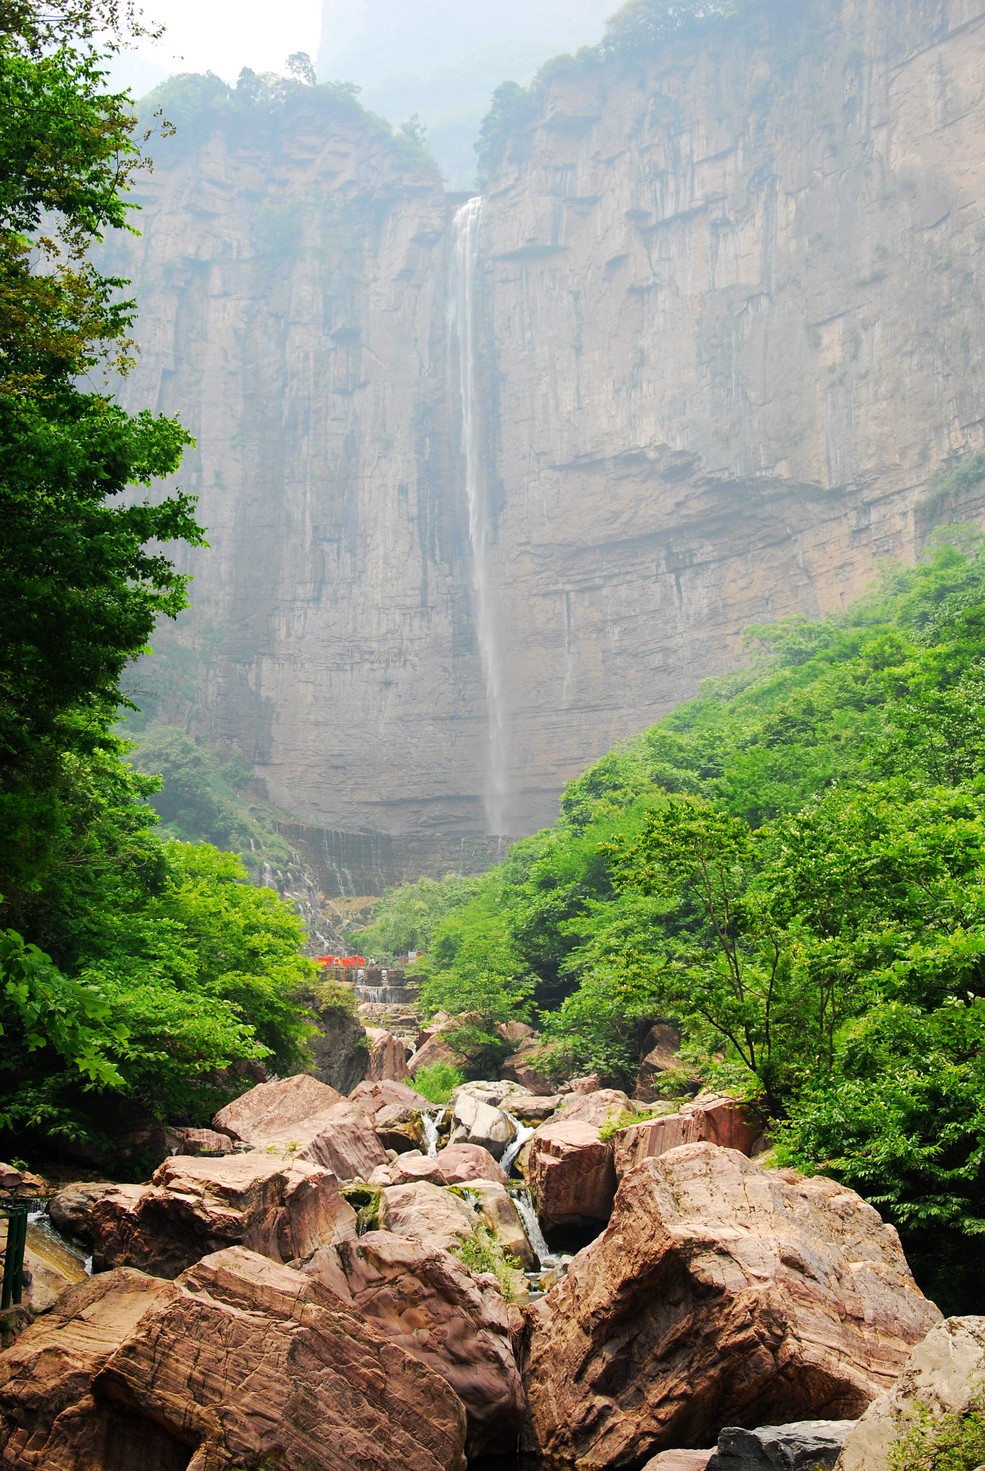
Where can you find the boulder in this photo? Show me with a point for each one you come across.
(456, 1164)
(944, 1375)
(516, 1033)
(21, 1184)
(307, 1119)
(679, 1461)
(203, 1141)
(720, 1294)
(501, 1215)
(194, 1206)
(530, 1108)
(426, 1301)
(239, 1362)
(475, 1122)
(387, 1056)
(571, 1177)
(374, 1095)
(590, 1083)
(599, 1107)
(70, 1209)
(807, 1445)
(521, 1068)
(426, 1213)
(434, 1049)
(271, 1108)
(718, 1120)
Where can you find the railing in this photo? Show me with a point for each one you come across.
(13, 1260)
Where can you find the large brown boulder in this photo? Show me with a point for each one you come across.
(571, 1177)
(435, 1048)
(720, 1294)
(239, 1362)
(427, 1213)
(193, 1206)
(600, 1106)
(270, 1108)
(307, 1119)
(424, 1299)
(374, 1095)
(717, 1120)
(456, 1164)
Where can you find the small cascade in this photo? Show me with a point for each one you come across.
(431, 1123)
(523, 1133)
(525, 1209)
(465, 260)
(383, 987)
(50, 1246)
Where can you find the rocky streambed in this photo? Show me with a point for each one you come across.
(343, 1282)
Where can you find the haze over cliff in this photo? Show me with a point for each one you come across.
(488, 489)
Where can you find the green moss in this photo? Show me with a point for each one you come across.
(365, 1201)
(483, 1252)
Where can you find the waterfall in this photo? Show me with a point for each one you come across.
(523, 1133)
(466, 253)
(431, 1123)
(527, 1214)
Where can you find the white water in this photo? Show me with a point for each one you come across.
(466, 225)
(527, 1214)
(523, 1133)
(431, 1123)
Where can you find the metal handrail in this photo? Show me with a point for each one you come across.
(13, 1260)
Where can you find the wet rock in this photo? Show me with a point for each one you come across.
(807, 1445)
(427, 1213)
(424, 1299)
(944, 1375)
(571, 1177)
(192, 1207)
(239, 1361)
(720, 1293)
(717, 1120)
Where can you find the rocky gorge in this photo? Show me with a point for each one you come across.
(705, 352)
(320, 1281)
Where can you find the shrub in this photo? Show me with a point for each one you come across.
(438, 1082)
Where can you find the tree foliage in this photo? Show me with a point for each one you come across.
(127, 967)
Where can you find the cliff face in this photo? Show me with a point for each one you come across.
(717, 326)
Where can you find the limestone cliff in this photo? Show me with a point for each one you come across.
(726, 324)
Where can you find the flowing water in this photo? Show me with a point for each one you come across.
(466, 224)
(431, 1123)
(523, 1133)
(527, 1214)
(51, 1247)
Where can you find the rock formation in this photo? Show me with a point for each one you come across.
(719, 1294)
(725, 311)
(239, 1362)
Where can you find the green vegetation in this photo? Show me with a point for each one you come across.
(484, 1252)
(950, 1443)
(790, 867)
(640, 28)
(438, 1082)
(130, 968)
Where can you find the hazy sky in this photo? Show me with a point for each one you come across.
(225, 35)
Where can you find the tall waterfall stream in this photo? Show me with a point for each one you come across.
(463, 305)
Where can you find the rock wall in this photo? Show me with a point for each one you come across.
(728, 325)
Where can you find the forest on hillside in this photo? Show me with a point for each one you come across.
(791, 867)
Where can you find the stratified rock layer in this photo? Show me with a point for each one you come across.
(720, 1294)
(728, 314)
(239, 1362)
